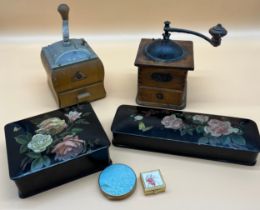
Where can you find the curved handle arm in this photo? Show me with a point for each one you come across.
(63, 9)
(217, 32)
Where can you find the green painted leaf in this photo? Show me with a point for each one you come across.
(240, 132)
(33, 155)
(46, 160)
(239, 140)
(63, 134)
(147, 128)
(86, 114)
(76, 130)
(22, 139)
(187, 116)
(225, 140)
(203, 140)
(183, 132)
(28, 136)
(37, 164)
(190, 131)
(141, 126)
(25, 162)
(23, 148)
(200, 129)
(213, 141)
(82, 121)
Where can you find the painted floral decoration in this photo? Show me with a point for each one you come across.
(70, 147)
(200, 118)
(172, 122)
(39, 142)
(150, 180)
(51, 126)
(210, 131)
(219, 128)
(54, 140)
(73, 115)
(141, 125)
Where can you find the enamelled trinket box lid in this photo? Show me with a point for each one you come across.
(152, 182)
(202, 135)
(56, 147)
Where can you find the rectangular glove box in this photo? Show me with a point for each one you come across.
(56, 147)
(207, 136)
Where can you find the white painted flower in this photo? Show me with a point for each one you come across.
(73, 115)
(39, 142)
(138, 117)
(200, 118)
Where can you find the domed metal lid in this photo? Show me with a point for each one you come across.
(164, 50)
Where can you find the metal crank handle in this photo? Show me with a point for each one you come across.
(63, 9)
(217, 32)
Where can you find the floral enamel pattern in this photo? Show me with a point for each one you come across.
(152, 182)
(141, 125)
(55, 139)
(212, 131)
(203, 129)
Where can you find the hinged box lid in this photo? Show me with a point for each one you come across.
(44, 141)
(194, 134)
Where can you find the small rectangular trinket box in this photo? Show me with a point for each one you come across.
(185, 133)
(152, 182)
(56, 147)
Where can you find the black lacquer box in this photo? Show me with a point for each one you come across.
(185, 133)
(56, 147)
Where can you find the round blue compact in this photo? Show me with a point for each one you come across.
(117, 181)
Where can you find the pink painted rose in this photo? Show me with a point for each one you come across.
(172, 122)
(219, 128)
(70, 147)
(73, 115)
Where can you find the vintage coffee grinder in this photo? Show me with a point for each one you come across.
(163, 65)
(75, 72)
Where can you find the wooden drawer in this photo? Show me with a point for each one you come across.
(87, 93)
(160, 96)
(77, 75)
(162, 78)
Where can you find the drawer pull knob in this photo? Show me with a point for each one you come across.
(79, 76)
(83, 96)
(159, 96)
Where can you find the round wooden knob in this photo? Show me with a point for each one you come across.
(63, 9)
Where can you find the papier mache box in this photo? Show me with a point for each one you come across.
(207, 136)
(56, 147)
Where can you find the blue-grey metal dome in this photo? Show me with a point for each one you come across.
(164, 50)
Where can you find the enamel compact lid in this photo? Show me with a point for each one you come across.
(117, 181)
(68, 51)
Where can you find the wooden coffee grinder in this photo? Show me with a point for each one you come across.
(163, 65)
(75, 73)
